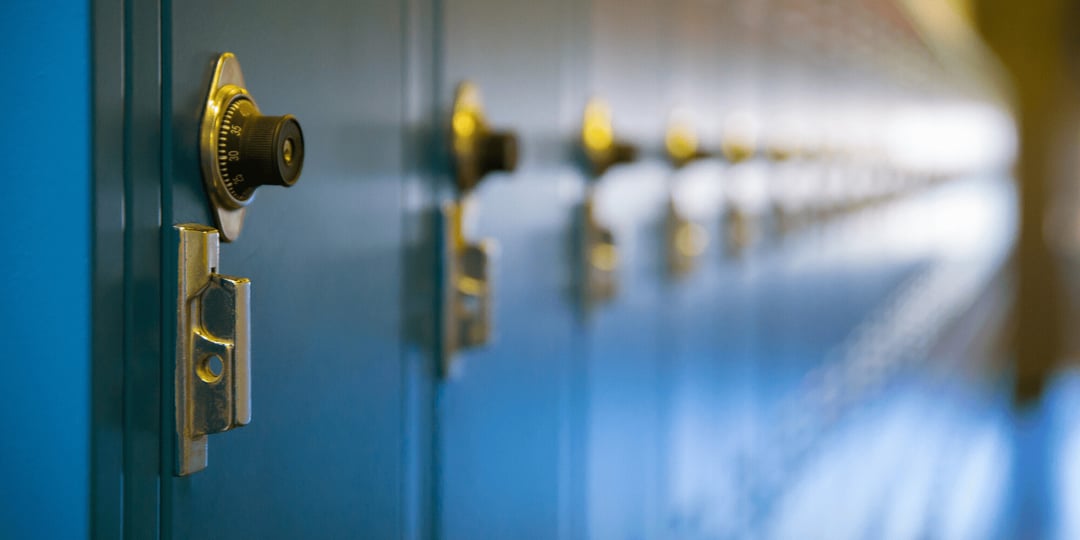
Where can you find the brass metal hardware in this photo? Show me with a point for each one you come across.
(681, 143)
(737, 151)
(598, 255)
(467, 290)
(241, 149)
(739, 144)
(686, 240)
(740, 141)
(213, 349)
(739, 230)
(602, 149)
(780, 153)
(477, 152)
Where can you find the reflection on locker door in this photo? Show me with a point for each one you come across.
(323, 450)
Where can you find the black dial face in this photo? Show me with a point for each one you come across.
(230, 152)
(255, 150)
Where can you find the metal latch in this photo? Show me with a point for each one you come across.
(213, 347)
(686, 240)
(467, 287)
(598, 256)
(477, 151)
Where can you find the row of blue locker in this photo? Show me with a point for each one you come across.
(754, 329)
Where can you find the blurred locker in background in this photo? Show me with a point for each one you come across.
(638, 269)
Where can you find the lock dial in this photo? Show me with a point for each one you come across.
(601, 148)
(256, 150)
(478, 150)
(242, 149)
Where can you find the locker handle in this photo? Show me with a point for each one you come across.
(212, 375)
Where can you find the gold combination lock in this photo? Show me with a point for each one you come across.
(241, 149)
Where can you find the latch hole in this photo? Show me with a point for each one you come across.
(210, 369)
(470, 304)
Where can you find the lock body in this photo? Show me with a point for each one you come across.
(241, 149)
(601, 148)
(478, 150)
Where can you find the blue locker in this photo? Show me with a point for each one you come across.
(822, 379)
(324, 453)
(504, 458)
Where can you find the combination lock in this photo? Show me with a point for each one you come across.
(602, 150)
(256, 150)
(242, 149)
(478, 150)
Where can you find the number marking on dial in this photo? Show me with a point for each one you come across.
(229, 132)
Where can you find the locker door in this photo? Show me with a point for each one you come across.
(322, 456)
(626, 373)
(504, 458)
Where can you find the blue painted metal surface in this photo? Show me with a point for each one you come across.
(735, 403)
(707, 339)
(108, 203)
(44, 453)
(626, 369)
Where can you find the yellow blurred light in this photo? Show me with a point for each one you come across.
(740, 139)
(738, 150)
(604, 257)
(597, 138)
(464, 123)
(470, 286)
(596, 130)
(681, 142)
(951, 20)
(691, 240)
